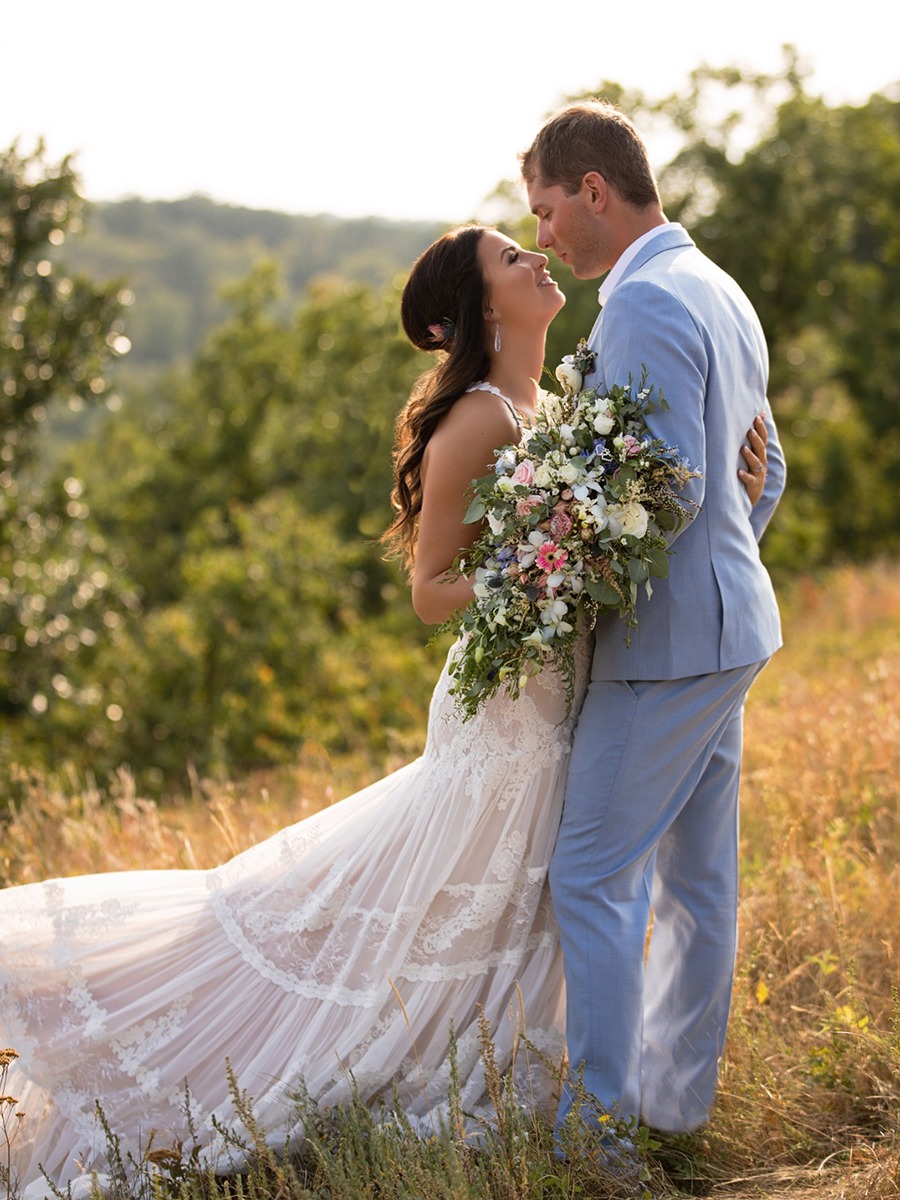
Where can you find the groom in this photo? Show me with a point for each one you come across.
(651, 811)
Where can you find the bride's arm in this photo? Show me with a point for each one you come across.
(460, 450)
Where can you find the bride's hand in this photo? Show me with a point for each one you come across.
(753, 476)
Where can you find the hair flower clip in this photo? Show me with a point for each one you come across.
(442, 331)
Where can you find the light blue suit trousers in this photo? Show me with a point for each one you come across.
(632, 836)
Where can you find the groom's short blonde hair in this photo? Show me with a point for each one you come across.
(591, 136)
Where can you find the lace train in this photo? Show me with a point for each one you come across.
(333, 955)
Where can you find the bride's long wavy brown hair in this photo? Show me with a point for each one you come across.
(445, 288)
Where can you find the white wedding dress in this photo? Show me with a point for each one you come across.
(333, 955)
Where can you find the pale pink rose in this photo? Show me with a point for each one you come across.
(526, 504)
(524, 473)
(631, 446)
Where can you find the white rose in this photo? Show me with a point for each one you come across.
(627, 519)
(549, 407)
(569, 376)
(570, 472)
(603, 420)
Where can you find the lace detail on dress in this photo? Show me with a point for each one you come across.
(338, 950)
(484, 386)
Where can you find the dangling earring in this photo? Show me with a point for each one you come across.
(497, 339)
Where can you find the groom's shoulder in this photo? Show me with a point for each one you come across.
(672, 250)
(678, 264)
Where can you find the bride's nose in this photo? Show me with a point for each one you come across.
(542, 259)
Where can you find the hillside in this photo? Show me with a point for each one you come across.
(174, 258)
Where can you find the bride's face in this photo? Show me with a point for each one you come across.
(518, 287)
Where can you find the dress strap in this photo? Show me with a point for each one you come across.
(484, 386)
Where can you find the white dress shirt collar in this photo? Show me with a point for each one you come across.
(618, 268)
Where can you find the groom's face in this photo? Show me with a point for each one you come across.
(568, 226)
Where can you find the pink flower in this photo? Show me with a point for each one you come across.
(526, 504)
(441, 331)
(631, 446)
(550, 557)
(560, 522)
(524, 473)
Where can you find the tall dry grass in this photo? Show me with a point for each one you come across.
(810, 1088)
(812, 1069)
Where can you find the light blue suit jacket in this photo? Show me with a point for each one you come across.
(697, 333)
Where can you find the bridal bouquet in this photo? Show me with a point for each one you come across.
(576, 517)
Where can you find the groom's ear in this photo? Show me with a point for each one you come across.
(595, 190)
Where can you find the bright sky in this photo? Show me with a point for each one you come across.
(404, 109)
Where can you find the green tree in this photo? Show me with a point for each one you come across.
(58, 332)
(246, 498)
(234, 674)
(57, 335)
(808, 224)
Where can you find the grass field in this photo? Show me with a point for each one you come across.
(809, 1101)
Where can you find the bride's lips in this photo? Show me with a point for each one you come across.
(546, 281)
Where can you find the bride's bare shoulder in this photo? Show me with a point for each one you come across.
(480, 416)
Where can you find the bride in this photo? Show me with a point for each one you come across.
(335, 955)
